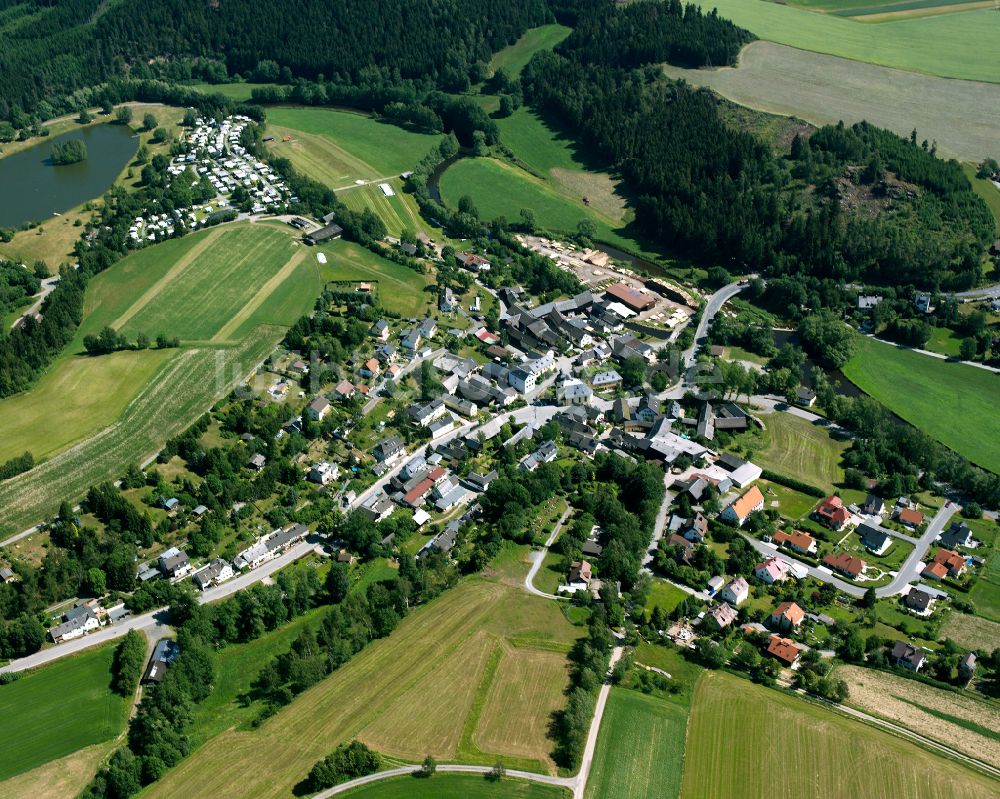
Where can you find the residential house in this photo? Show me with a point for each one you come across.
(874, 506)
(371, 368)
(257, 462)
(922, 302)
(772, 570)
(380, 331)
(934, 571)
(954, 562)
(446, 301)
(473, 262)
(696, 529)
(427, 328)
(787, 616)
(574, 392)
(736, 593)
(387, 353)
(377, 508)
(411, 340)
(749, 502)
(76, 622)
(873, 539)
(388, 450)
(521, 380)
(324, 473)
(967, 666)
(783, 650)
(907, 656)
(832, 513)
(959, 534)
(269, 546)
(803, 543)
(722, 615)
(909, 517)
(318, 409)
(218, 571)
(439, 427)
(546, 453)
(423, 414)
(344, 389)
(805, 397)
(479, 482)
(580, 574)
(606, 379)
(174, 563)
(846, 564)
(164, 653)
(918, 600)
(169, 503)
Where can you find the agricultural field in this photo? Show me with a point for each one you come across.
(234, 91)
(879, 10)
(966, 724)
(918, 388)
(426, 688)
(57, 779)
(515, 57)
(971, 631)
(400, 288)
(824, 89)
(792, 504)
(640, 749)
(37, 724)
(184, 388)
(985, 593)
(762, 730)
(398, 213)
(455, 786)
(985, 189)
(798, 448)
(339, 147)
(951, 46)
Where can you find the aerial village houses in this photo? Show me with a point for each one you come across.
(76, 622)
(783, 650)
(722, 615)
(270, 546)
(832, 513)
(218, 571)
(318, 409)
(787, 616)
(736, 592)
(800, 542)
(749, 502)
(772, 570)
(846, 564)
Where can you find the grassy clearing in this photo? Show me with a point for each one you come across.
(455, 786)
(234, 91)
(761, 731)
(952, 46)
(181, 390)
(985, 594)
(640, 749)
(792, 504)
(57, 779)
(824, 89)
(85, 394)
(944, 341)
(339, 147)
(971, 631)
(409, 694)
(985, 189)
(401, 289)
(665, 596)
(918, 388)
(399, 212)
(515, 57)
(38, 724)
(967, 724)
(798, 448)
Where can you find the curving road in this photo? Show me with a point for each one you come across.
(538, 557)
(444, 768)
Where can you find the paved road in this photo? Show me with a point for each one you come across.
(712, 307)
(661, 519)
(908, 573)
(375, 399)
(153, 623)
(538, 557)
(937, 355)
(445, 768)
(985, 293)
(48, 284)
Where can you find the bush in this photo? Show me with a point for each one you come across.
(791, 482)
(346, 762)
(130, 657)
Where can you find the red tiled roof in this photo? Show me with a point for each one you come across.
(846, 563)
(784, 649)
(790, 611)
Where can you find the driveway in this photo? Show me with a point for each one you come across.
(538, 557)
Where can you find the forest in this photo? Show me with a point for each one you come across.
(49, 49)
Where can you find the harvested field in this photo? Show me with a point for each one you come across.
(57, 779)
(824, 89)
(800, 449)
(926, 710)
(972, 631)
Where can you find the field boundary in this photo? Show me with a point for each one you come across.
(172, 274)
(222, 336)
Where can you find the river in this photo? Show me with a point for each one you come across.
(32, 188)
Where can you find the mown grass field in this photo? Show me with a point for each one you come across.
(399, 212)
(57, 710)
(401, 289)
(800, 449)
(455, 786)
(419, 691)
(952, 402)
(640, 749)
(952, 46)
(665, 596)
(234, 91)
(57, 779)
(514, 57)
(961, 116)
(339, 147)
(971, 631)
(746, 740)
(985, 594)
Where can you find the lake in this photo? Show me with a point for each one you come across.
(32, 188)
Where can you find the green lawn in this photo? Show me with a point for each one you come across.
(401, 289)
(52, 712)
(234, 91)
(339, 147)
(743, 737)
(954, 403)
(398, 213)
(792, 504)
(455, 786)
(664, 596)
(514, 57)
(802, 450)
(640, 748)
(944, 341)
(985, 593)
(952, 46)
(984, 189)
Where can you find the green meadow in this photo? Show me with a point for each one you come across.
(952, 402)
(57, 709)
(514, 57)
